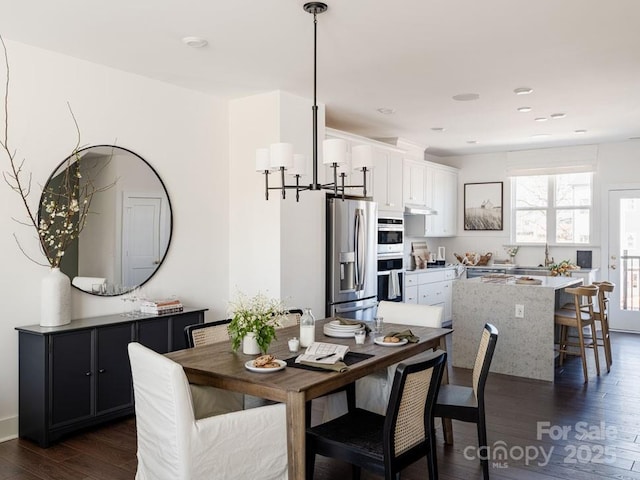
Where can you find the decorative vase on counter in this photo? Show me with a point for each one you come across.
(55, 301)
(250, 344)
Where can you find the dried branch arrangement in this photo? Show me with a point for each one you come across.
(64, 205)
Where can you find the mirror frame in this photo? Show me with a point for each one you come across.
(59, 168)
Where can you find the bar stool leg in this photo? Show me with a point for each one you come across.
(594, 336)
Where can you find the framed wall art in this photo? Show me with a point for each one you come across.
(483, 206)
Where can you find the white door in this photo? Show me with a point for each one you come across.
(624, 259)
(140, 238)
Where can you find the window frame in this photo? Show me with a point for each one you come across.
(551, 212)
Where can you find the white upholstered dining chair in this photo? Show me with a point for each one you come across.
(174, 445)
(372, 391)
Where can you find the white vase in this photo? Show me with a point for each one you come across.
(55, 301)
(250, 344)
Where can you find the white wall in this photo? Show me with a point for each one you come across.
(182, 134)
(617, 164)
(276, 247)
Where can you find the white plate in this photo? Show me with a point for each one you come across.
(249, 366)
(380, 341)
(339, 326)
(331, 332)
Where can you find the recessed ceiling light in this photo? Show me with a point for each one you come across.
(541, 119)
(472, 142)
(539, 135)
(523, 91)
(466, 97)
(524, 109)
(195, 42)
(558, 115)
(386, 111)
(438, 129)
(579, 132)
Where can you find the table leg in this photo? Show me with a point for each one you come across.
(296, 431)
(447, 427)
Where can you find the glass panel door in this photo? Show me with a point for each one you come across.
(624, 259)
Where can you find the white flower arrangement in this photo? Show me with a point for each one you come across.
(259, 315)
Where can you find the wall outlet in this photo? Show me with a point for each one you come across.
(519, 311)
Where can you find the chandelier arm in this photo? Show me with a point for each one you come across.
(266, 184)
(297, 188)
(364, 181)
(284, 189)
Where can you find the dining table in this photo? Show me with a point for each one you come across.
(217, 365)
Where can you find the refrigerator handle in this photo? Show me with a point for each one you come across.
(359, 243)
(355, 309)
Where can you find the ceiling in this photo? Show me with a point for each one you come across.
(580, 57)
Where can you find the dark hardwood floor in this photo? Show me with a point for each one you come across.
(565, 430)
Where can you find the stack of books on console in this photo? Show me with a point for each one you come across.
(161, 307)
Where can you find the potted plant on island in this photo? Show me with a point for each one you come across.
(253, 322)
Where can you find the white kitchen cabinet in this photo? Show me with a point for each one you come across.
(387, 180)
(414, 182)
(442, 189)
(384, 181)
(431, 287)
(442, 195)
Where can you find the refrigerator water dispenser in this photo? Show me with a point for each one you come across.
(347, 271)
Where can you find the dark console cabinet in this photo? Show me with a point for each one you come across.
(78, 375)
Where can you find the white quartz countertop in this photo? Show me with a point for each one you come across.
(546, 282)
(432, 269)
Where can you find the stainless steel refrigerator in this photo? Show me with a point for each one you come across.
(352, 286)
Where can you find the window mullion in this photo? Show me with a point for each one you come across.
(551, 210)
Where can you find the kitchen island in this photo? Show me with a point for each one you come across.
(525, 345)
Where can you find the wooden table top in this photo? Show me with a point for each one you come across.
(219, 366)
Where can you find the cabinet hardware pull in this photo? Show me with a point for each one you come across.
(102, 370)
(88, 374)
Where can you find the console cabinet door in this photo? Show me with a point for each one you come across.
(178, 323)
(154, 334)
(113, 382)
(71, 376)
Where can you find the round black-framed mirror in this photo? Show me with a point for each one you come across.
(128, 230)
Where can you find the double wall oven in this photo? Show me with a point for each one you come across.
(390, 258)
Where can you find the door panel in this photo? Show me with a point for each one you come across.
(154, 334)
(623, 259)
(71, 376)
(140, 238)
(113, 370)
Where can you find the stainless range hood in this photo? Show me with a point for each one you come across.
(419, 210)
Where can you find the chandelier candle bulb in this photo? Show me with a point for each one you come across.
(334, 150)
(281, 155)
(263, 161)
(362, 157)
(299, 165)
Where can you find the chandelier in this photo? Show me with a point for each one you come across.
(280, 156)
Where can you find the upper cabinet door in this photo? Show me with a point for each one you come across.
(442, 186)
(387, 180)
(414, 182)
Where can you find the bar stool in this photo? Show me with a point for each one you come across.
(580, 316)
(602, 315)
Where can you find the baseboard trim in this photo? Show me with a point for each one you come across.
(8, 428)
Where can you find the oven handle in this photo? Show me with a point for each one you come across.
(387, 272)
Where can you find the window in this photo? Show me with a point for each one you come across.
(552, 208)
